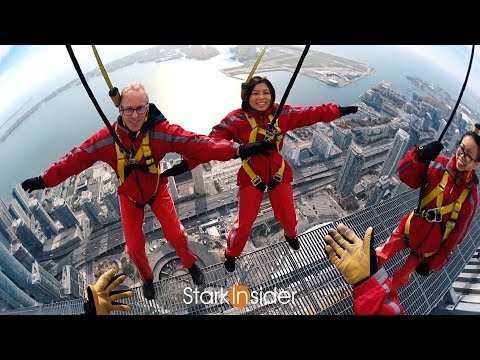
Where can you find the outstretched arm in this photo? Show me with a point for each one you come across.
(356, 260)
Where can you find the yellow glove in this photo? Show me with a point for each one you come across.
(101, 297)
(355, 259)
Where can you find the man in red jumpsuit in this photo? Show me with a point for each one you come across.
(137, 120)
(265, 172)
(425, 233)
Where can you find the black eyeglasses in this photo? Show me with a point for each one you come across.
(461, 151)
(129, 111)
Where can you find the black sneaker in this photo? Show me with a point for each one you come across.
(148, 290)
(229, 263)
(294, 243)
(197, 274)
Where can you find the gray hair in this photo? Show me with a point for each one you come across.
(135, 87)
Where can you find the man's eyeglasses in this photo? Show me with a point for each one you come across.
(461, 151)
(129, 111)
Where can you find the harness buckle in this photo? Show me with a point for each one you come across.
(131, 161)
(257, 182)
(270, 134)
(431, 215)
(277, 179)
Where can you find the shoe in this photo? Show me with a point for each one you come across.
(148, 290)
(197, 274)
(229, 263)
(294, 243)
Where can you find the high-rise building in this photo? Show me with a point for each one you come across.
(91, 208)
(110, 199)
(22, 198)
(321, 144)
(17, 212)
(342, 137)
(27, 237)
(23, 256)
(72, 282)
(291, 150)
(379, 190)
(351, 170)
(16, 282)
(45, 281)
(198, 182)
(172, 187)
(396, 153)
(46, 222)
(414, 136)
(6, 229)
(64, 213)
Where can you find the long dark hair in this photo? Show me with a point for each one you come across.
(249, 88)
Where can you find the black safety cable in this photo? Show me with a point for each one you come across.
(425, 178)
(289, 87)
(97, 106)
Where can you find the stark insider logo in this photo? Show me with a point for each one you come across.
(238, 296)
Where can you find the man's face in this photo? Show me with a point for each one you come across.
(134, 109)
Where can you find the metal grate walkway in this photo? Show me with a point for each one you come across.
(317, 287)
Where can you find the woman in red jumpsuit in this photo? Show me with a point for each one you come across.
(258, 108)
(440, 227)
(138, 119)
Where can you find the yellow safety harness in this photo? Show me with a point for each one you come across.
(435, 214)
(275, 134)
(144, 151)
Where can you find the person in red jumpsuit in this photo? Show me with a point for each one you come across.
(268, 172)
(137, 119)
(434, 232)
(373, 291)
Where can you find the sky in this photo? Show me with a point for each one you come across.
(27, 70)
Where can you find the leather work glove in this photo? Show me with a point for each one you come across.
(177, 169)
(345, 110)
(35, 183)
(354, 258)
(429, 152)
(101, 297)
(259, 147)
(423, 269)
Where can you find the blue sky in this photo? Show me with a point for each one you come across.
(26, 71)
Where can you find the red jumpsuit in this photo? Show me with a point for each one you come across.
(139, 185)
(235, 126)
(427, 236)
(377, 296)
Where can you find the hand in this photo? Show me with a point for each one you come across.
(355, 259)
(35, 183)
(177, 169)
(259, 147)
(423, 269)
(429, 152)
(102, 300)
(345, 110)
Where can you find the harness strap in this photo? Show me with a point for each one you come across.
(453, 208)
(437, 192)
(144, 151)
(275, 134)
